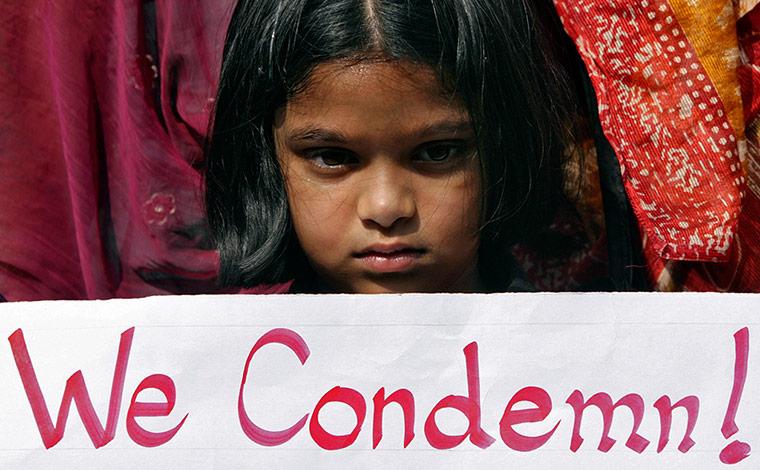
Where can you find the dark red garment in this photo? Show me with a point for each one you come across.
(103, 105)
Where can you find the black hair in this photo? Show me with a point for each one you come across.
(496, 55)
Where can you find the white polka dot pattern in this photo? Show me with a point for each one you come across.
(666, 122)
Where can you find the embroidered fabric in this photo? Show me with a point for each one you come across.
(103, 105)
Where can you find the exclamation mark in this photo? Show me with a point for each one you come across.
(736, 451)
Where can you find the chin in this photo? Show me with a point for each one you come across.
(395, 286)
(401, 283)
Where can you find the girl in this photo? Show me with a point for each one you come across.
(373, 146)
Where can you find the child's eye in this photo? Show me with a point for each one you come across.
(331, 158)
(439, 152)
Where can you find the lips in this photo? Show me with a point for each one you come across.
(390, 258)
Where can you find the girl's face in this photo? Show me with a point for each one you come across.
(382, 178)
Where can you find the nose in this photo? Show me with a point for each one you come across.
(386, 198)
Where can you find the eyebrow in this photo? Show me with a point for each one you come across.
(457, 127)
(318, 134)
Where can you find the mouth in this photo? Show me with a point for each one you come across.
(390, 258)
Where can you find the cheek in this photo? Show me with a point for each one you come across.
(453, 209)
(319, 216)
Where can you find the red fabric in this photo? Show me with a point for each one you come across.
(564, 257)
(99, 180)
(742, 272)
(666, 122)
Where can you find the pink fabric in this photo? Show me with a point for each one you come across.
(99, 180)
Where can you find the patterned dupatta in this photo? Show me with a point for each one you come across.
(671, 105)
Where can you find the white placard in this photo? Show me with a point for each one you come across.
(624, 381)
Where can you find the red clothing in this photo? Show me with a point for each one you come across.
(100, 146)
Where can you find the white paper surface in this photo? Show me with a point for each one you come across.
(646, 344)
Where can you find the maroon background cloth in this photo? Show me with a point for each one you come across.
(100, 146)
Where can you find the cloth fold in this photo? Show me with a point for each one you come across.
(675, 81)
(101, 127)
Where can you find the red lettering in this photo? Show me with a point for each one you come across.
(510, 418)
(165, 385)
(405, 399)
(737, 450)
(76, 391)
(469, 406)
(295, 343)
(664, 407)
(330, 441)
(603, 401)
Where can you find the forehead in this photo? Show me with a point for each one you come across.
(380, 94)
